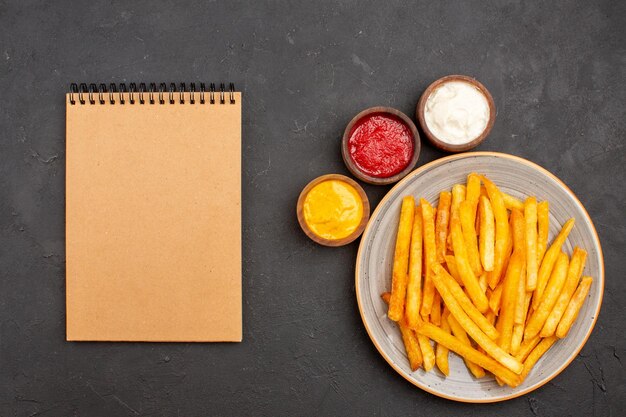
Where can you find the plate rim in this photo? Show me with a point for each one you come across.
(442, 161)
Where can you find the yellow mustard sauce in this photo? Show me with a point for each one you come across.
(333, 209)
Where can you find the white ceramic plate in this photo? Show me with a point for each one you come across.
(519, 178)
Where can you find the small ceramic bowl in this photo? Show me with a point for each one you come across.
(421, 105)
(354, 169)
(333, 242)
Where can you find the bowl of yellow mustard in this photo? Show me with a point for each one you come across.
(333, 210)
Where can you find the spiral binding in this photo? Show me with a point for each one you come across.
(93, 93)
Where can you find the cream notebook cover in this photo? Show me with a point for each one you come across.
(153, 213)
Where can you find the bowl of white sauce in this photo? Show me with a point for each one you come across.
(456, 113)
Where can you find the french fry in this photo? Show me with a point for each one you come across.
(516, 338)
(511, 202)
(530, 217)
(571, 312)
(575, 270)
(472, 194)
(409, 338)
(527, 347)
(477, 228)
(482, 281)
(401, 259)
(469, 353)
(465, 271)
(451, 264)
(518, 328)
(428, 353)
(435, 311)
(491, 318)
(496, 297)
(412, 347)
(551, 294)
(508, 249)
(441, 352)
(441, 224)
(545, 270)
(521, 307)
(506, 319)
(414, 285)
(464, 302)
(469, 236)
(502, 230)
(487, 233)
(529, 296)
(460, 334)
(518, 226)
(536, 354)
(484, 341)
(518, 230)
(458, 195)
(430, 255)
(543, 229)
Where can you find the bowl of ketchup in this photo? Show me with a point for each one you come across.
(380, 145)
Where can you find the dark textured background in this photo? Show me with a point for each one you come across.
(557, 71)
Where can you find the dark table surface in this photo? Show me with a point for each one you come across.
(557, 72)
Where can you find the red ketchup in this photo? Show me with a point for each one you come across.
(381, 145)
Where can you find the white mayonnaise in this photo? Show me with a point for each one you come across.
(456, 112)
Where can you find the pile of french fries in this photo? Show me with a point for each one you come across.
(476, 276)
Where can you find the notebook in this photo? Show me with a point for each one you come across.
(153, 213)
